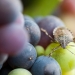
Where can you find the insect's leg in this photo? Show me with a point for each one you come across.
(43, 30)
(53, 50)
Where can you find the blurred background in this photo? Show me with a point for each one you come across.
(64, 9)
(39, 7)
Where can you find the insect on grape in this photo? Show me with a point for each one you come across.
(63, 36)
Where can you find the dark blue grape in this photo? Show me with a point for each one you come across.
(25, 59)
(34, 31)
(45, 66)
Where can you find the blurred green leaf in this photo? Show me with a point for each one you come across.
(41, 7)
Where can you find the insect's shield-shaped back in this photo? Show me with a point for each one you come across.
(63, 36)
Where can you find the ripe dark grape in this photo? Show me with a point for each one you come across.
(34, 31)
(48, 23)
(9, 10)
(12, 39)
(24, 59)
(46, 66)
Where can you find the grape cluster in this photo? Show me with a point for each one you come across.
(13, 37)
(33, 46)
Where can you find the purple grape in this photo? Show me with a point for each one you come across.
(12, 39)
(48, 23)
(9, 10)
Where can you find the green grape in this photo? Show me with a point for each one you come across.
(72, 72)
(65, 57)
(19, 71)
(40, 50)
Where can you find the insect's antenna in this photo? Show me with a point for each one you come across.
(54, 49)
(43, 30)
(71, 52)
(72, 45)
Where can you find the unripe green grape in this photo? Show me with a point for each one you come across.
(65, 57)
(72, 72)
(40, 50)
(19, 71)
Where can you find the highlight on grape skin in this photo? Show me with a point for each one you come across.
(3, 58)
